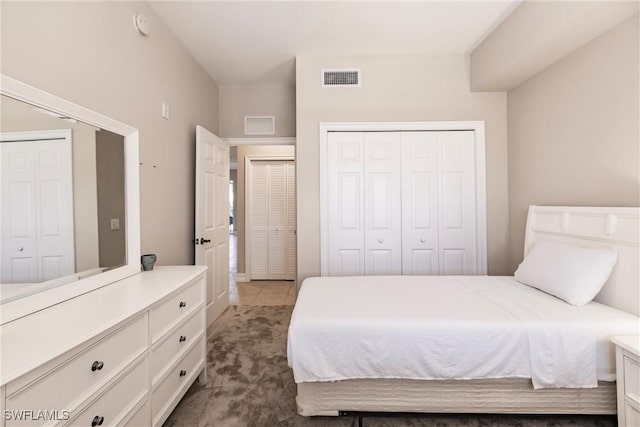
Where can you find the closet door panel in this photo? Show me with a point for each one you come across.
(259, 221)
(278, 219)
(457, 204)
(345, 197)
(382, 216)
(422, 261)
(291, 220)
(419, 203)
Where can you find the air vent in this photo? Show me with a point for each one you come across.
(341, 78)
(259, 125)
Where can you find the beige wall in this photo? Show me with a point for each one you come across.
(396, 88)
(537, 34)
(243, 152)
(17, 116)
(238, 101)
(90, 53)
(111, 198)
(574, 133)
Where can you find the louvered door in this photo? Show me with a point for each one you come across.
(272, 219)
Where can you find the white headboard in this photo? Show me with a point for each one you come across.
(588, 226)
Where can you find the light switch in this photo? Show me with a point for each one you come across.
(115, 224)
(166, 111)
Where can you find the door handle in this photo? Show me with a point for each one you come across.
(422, 240)
(380, 240)
(203, 240)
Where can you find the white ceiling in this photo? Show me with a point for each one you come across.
(241, 42)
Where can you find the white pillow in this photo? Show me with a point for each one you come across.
(573, 273)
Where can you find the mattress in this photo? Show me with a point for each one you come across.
(449, 327)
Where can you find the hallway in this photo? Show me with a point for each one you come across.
(257, 292)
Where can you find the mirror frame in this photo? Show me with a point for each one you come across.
(13, 310)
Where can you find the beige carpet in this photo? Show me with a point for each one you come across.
(249, 384)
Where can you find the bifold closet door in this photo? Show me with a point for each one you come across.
(364, 199)
(382, 214)
(420, 203)
(439, 233)
(37, 231)
(402, 203)
(457, 210)
(273, 225)
(345, 202)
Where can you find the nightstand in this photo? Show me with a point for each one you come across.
(628, 379)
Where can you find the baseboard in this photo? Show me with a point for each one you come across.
(240, 277)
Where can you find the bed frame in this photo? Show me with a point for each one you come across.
(586, 226)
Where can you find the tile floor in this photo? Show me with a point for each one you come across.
(257, 292)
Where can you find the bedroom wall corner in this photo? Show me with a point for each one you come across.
(573, 131)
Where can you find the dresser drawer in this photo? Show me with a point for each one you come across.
(109, 408)
(631, 416)
(178, 379)
(174, 344)
(632, 379)
(65, 386)
(141, 418)
(170, 311)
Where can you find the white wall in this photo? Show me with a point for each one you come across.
(395, 88)
(90, 54)
(574, 135)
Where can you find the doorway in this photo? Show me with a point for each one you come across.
(277, 165)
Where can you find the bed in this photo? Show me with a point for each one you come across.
(470, 343)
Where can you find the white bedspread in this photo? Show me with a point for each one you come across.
(450, 327)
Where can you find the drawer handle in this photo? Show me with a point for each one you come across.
(96, 366)
(183, 373)
(97, 421)
(182, 338)
(183, 304)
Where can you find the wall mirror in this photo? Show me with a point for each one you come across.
(69, 218)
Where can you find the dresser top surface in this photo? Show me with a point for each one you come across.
(38, 338)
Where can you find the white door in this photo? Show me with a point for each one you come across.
(212, 218)
(272, 219)
(345, 203)
(402, 203)
(382, 213)
(420, 203)
(291, 225)
(37, 211)
(458, 232)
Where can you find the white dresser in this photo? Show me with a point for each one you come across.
(628, 379)
(123, 354)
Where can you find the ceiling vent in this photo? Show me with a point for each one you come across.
(341, 78)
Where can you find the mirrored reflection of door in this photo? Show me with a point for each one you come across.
(37, 209)
(273, 220)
